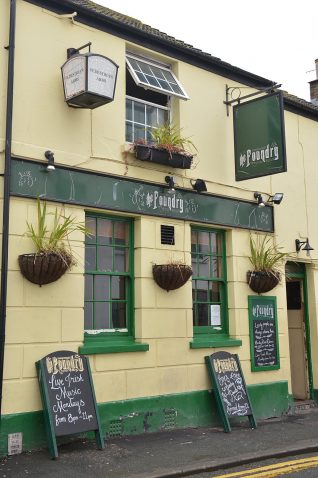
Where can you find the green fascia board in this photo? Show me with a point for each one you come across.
(111, 346)
(117, 193)
(214, 342)
(151, 414)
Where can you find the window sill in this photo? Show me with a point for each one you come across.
(214, 342)
(110, 347)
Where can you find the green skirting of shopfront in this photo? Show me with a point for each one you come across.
(151, 414)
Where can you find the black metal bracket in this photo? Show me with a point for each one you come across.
(73, 51)
(229, 90)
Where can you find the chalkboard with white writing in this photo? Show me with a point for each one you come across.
(264, 344)
(68, 397)
(229, 386)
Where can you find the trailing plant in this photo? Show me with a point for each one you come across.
(56, 239)
(266, 256)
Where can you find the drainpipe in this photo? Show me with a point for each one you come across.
(6, 192)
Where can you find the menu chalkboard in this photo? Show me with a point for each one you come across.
(230, 388)
(68, 397)
(263, 333)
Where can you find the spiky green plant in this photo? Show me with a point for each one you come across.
(55, 239)
(266, 256)
(169, 137)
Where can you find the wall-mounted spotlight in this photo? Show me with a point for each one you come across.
(171, 183)
(259, 199)
(275, 198)
(303, 245)
(50, 159)
(199, 185)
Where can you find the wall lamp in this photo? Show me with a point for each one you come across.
(275, 199)
(199, 185)
(303, 245)
(171, 183)
(50, 159)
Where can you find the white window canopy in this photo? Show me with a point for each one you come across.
(155, 77)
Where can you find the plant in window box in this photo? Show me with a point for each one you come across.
(172, 275)
(53, 256)
(267, 261)
(167, 147)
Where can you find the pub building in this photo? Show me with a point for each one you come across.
(161, 278)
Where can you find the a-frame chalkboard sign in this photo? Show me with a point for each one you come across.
(68, 397)
(230, 389)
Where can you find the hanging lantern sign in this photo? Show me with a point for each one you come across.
(89, 80)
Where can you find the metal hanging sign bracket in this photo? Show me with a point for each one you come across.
(229, 90)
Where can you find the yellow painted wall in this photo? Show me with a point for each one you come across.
(42, 320)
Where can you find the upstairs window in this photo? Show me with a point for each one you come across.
(155, 77)
(149, 86)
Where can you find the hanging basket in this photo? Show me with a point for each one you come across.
(171, 276)
(260, 281)
(43, 268)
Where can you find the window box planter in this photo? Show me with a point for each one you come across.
(171, 276)
(43, 268)
(162, 156)
(261, 281)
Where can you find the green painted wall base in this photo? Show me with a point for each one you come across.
(145, 415)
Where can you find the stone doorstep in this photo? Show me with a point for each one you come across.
(301, 406)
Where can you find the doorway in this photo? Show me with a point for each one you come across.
(298, 330)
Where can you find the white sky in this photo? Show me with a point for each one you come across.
(276, 39)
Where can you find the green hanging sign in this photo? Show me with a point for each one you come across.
(259, 137)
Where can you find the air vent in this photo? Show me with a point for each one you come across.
(167, 235)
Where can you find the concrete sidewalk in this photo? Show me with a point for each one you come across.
(172, 453)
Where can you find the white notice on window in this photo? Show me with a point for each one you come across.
(215, 311)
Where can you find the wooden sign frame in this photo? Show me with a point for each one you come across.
(233, 361)
(269, 315)
(48, 406)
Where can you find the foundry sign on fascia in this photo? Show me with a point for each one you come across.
(88, 189)
(259, 137)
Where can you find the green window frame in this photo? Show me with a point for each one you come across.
(109, 285)
(209, 289)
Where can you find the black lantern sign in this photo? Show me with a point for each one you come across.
(89, 79)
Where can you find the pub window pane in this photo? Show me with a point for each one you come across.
(216, 267)
(105, 259)
(88, 287)
(121, 232)
(203, 314)
(202, 291)
(88, 316)
(194, 241)
(90, 257)
(120, 259)
(101, 287)
(204, 266)
(119, 315)
(215, 292)
(203, 240)
(90, 224)
(101, 316)
(105, 231)
(118, 287)
(195, 265)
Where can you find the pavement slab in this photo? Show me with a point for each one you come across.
(173, 453)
